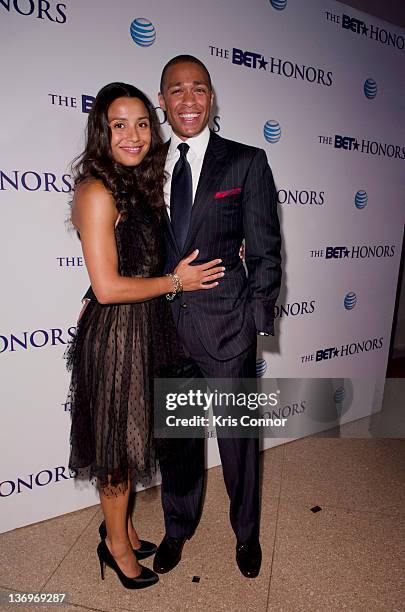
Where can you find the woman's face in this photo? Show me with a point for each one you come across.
(129, 123)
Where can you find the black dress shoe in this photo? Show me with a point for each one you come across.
(145, 579)
(168, 554)
(146, 549)
(249, 558)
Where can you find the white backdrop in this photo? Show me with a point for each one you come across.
(295, 72)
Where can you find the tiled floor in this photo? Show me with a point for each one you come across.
(350, 555)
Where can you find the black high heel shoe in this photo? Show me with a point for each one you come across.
(145, 579)
(146, 549)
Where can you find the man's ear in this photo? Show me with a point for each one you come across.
(212, 99)
(161, 101)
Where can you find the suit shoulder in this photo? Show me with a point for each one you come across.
(239, 148)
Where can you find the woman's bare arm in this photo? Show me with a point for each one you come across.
(94, 214)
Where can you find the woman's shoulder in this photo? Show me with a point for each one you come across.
(92, 197)
(91, 188)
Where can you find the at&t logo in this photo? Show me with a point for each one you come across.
(143, 32)
(261, 367)
(339, 395)
(272, 131)
(279, 5)
(370, 89)
(360, 199)
(350, 300)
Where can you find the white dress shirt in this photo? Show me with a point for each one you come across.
(198, 146)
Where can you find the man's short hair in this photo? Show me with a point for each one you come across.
(179, 59)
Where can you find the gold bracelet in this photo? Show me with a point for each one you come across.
(177, 286)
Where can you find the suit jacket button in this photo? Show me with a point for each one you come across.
(183, 305)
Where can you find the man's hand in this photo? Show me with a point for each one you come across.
(242, 251)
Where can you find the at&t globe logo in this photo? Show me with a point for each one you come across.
(339, 395)
(350, 300)
(360, 199)
(279, 5)
(143, 32)
(261, 367)
(370, 89)
(272, 131)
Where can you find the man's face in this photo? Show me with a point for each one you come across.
(187, 99)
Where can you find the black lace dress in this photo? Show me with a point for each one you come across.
(117, 351)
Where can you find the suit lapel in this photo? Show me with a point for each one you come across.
(211, 172)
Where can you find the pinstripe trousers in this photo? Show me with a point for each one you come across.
(183, 480)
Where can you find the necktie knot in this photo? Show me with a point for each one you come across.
(183, 148)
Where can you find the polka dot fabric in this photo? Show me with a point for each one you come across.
(117, 352)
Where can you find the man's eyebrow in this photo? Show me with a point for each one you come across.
(180, 83)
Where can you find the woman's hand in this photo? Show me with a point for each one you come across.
(201, 276)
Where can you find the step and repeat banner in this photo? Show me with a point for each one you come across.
(317, 85)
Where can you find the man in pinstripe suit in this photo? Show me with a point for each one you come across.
(232, 197)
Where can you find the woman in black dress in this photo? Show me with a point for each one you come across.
(127, 334)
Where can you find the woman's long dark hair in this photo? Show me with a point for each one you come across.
(130, 186)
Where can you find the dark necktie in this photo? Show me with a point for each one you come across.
(181, 196)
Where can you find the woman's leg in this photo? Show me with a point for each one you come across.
(114, 503)
(133, 536)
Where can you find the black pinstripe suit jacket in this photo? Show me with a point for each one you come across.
(228, 317)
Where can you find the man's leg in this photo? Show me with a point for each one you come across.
(240, 466)
(182, 488)
(239, 456)
(183, 479)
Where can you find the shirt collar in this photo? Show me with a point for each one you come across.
(198, 144)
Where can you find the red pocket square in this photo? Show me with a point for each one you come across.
(228, 192)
